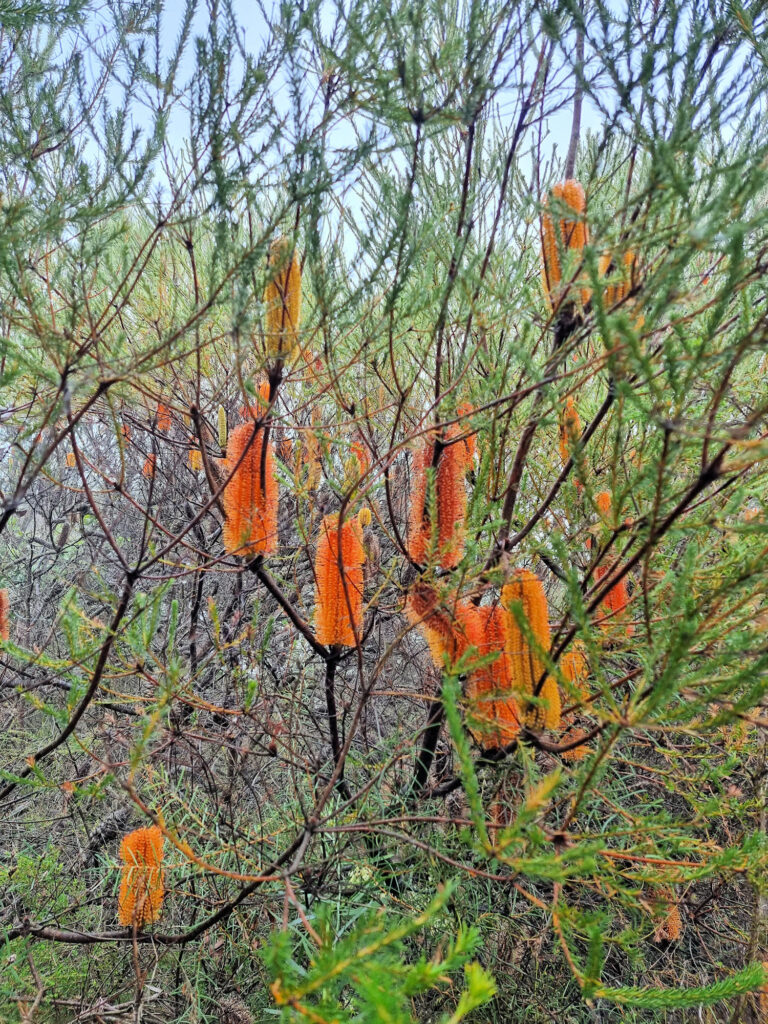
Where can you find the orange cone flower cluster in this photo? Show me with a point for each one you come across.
(561, 235)
(494, 717)
(164, 419)
(671, 928)
(141, 884)
(360, 453)
(618, 291)
(435, 622)
(5, 607)
(527, 589)
(282, 297)
(570, 429)
(470, 442)
(451, 469)
(250, 498)
(575, 668)
(616, 600)
(451, 627)
(339, 587)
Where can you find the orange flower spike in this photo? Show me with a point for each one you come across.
(451, 501)
(282, 298)
(418, 522)
(434, 623)
(5, 607)
(615, 601)
(671, 927)
(604, 503)
(360, 452)
(250, 498)
(164, 418)
(526, 664)
(470, 443)
(617, 598)
(570, 429)
(527, 589)
(150, 464)
(141, 885)
(575, 669)
(573, 234)
(613, 294)
(548, 715)
(493, 710)
(195, 459)
(339, 591)
(575, 753)
(313, 459)
(71, 460)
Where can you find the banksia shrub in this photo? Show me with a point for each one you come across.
(148, 469)
(5, 607)
(164, 419)
(527, 590)
(141, 884)
(493, 716)
(339, 582)
(282, 298)
(250, 497)
(558, 236)
(451, 502)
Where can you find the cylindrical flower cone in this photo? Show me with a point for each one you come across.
(339, 582)
(141, 884)
(250, 498)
